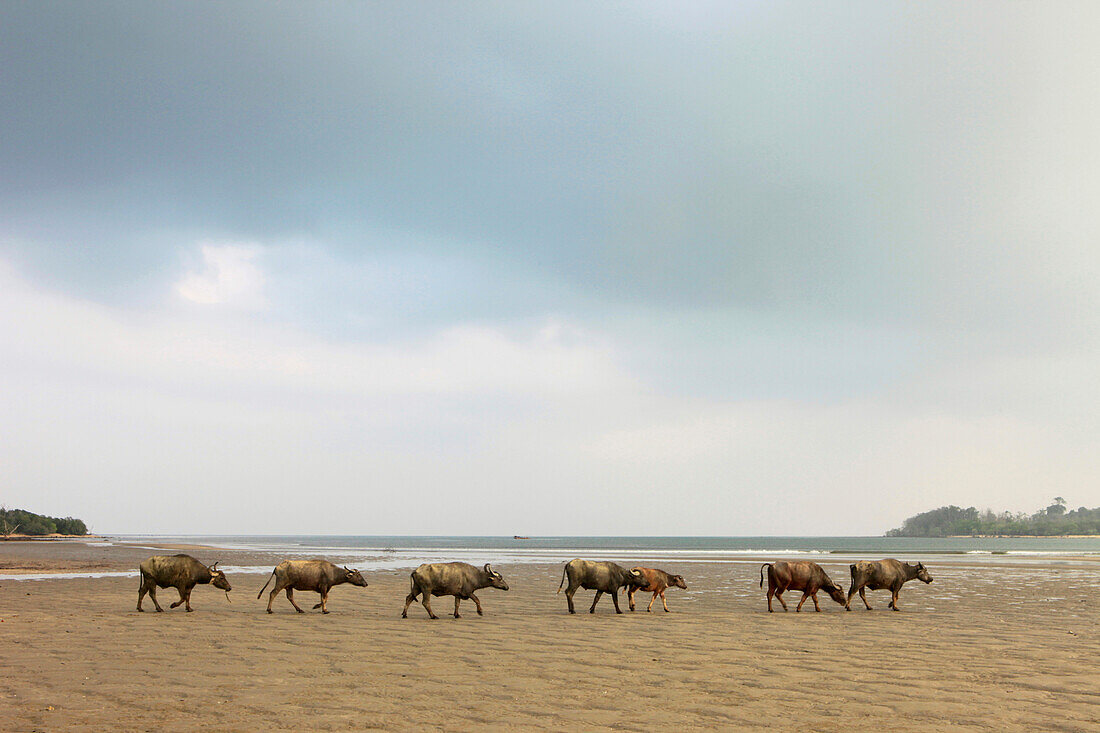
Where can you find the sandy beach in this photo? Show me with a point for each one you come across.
(982, 648)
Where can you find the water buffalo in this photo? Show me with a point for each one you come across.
(656, 583)
(456, 579)
(603, 577)
(181, 572)
(312, 575)
(883, 574)
(802, 575)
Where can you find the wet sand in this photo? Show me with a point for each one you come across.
(979, 649)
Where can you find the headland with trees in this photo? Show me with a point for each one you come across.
(21, 523)
(1055, 520)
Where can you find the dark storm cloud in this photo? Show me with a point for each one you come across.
(847, 158)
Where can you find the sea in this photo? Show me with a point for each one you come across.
(398, 552)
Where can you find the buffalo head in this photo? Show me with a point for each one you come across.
(495, 578)
(922, 573)
(637, 579)
(218, 579)
(354, 577)
(678, 581)
(837, 594)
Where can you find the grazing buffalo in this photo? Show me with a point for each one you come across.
(312, 575)
(656, 583)
(883, 574)
(456, 579)
(181, 572)
(603, 577)
(803, 575)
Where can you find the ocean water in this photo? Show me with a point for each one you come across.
(399, 552)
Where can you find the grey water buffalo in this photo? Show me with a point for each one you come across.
(802, 575)
(657, 581)
(882, 574)
(456, 579)
(602, 577)
(181, 572)
(318, 576)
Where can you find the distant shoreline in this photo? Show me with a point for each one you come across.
(47, 537)
(1012, 537)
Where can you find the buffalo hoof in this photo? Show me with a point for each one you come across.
(270, 611)
(618, 611)
(299, 610)
(141, 610)
(458, 616)
(189, 610)
(324, 611)
(160, 610)
(434, 618)
(479, 613)
(572, 611)
(404, 615)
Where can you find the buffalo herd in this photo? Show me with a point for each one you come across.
(461, 580)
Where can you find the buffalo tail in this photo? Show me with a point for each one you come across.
(261, 589)
(562, 578)
(765, 565)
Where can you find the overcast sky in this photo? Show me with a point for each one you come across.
(547, 268)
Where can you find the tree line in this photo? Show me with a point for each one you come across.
(1052, 520)
(19, 521)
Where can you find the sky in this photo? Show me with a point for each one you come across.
(736, 268)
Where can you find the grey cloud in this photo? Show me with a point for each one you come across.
(861, 160)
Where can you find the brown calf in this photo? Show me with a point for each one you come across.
(656, 583)
(803, 575)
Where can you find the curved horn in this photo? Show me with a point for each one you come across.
(346, 568)
(215, 565)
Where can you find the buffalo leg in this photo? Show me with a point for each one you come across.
(630, 598)
(805, 595)
(153, 595)
(457, 601)
(663, 601)
(814, 597)
(476, 603)
(863, 597)
(323, 605)
(894, 598)
(271, 596)
(595, 601)
(141, 593)
(651, 600)
(779, 596)
(187, 601)
(615, 598)
(409, 601)
(426, 599)
(183, 597)
(290, 597)
(569, 592)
